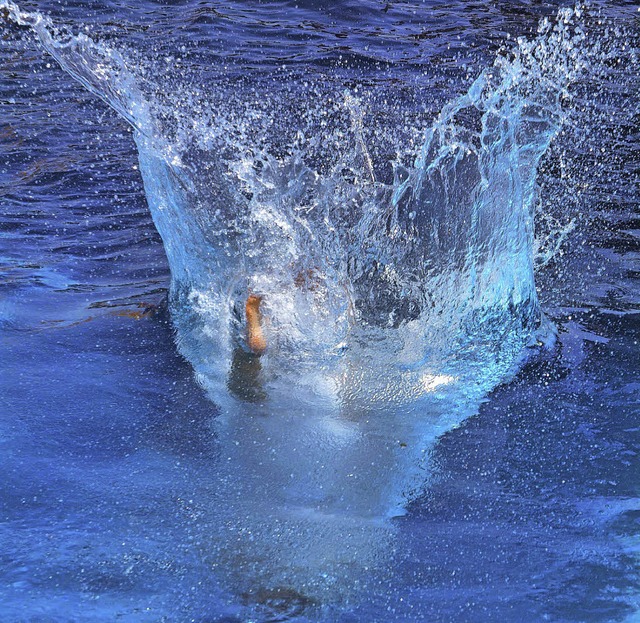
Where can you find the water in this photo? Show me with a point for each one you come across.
(438, 205)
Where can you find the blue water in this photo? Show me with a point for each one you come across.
(445, 424)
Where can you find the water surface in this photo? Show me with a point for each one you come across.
(446, 425)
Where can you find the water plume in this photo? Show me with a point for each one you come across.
(397, 292)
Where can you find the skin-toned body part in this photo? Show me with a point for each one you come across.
(255, 337)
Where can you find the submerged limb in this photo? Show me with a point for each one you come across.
(245, 380)
(255, 337)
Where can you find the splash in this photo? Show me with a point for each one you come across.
(397, 279)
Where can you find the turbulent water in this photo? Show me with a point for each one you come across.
(412, 206)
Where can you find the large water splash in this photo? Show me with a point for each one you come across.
(397, 291)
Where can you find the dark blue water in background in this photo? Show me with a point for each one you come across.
(107, 456)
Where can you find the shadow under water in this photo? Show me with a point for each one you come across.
(417, 295)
